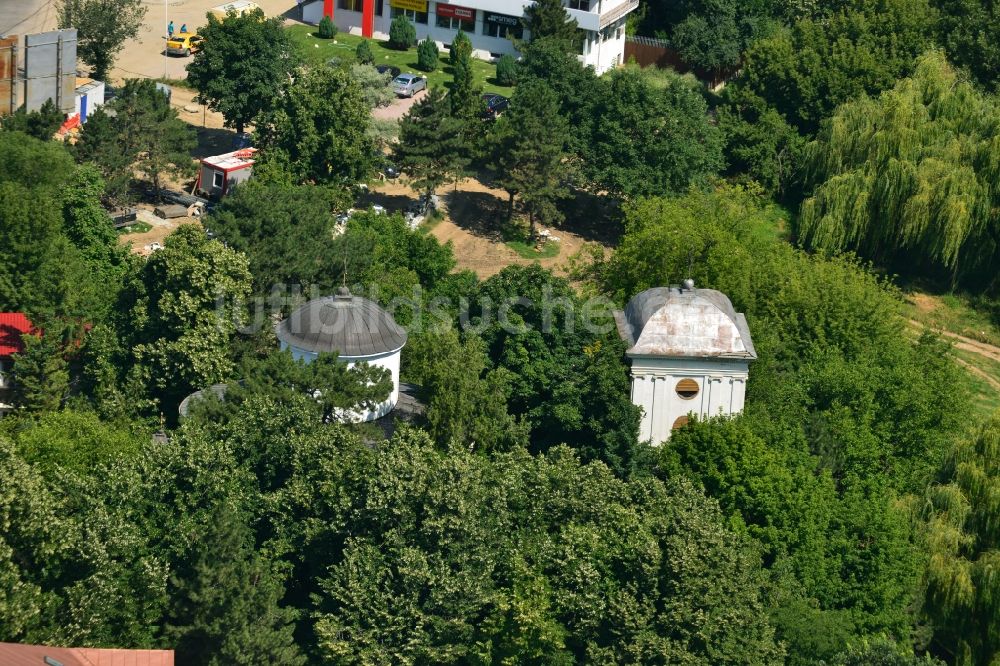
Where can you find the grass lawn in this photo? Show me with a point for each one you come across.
(318, 51)
(137, 227)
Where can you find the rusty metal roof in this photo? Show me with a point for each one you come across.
(350, 325)
(687, 323)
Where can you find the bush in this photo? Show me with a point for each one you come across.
(402, 34)
(363, 54)
(327, 29)
(506, 70)
(427, 55)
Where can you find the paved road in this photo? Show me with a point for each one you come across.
(143, 57)
(18, 17)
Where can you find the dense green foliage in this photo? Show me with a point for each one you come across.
(549, 19)
(966, 28)
(463, 92)
(960, 510)
(843, 414)
(806, 70)
(243, 63)
(529, 144)
(41, 124)
(319, 130)
(846, 517)
(909, 179)
(650, 139)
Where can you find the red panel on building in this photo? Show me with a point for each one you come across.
(454, 11)
(13, 325)
(368, 18)
(328, 8)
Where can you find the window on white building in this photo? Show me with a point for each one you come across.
(415, 16)
(454, 23)
(687, 388)
(582, 5)
(351, 5)
(502, 25)
(218, 178)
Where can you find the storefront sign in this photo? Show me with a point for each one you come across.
(456, 12)
(502, 19)
(413, 5)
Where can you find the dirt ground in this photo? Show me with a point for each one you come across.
(474, 214)
(141, 242)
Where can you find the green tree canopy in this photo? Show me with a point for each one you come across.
(909, 178)
(431, 148)
(529, 147)
(103, 27)
(186, 302)
(41, 124)
(244, 62)
(651, 139)
(319, 131)
(142, 133)
(963, 536)
(965, 29)
(864, 46)
(548, 18)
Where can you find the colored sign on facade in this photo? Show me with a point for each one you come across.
(412, 5)
(454, 11)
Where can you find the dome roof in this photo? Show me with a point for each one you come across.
(349, 325)
(693, 323)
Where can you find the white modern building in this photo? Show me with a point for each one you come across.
(690, 353)
(354, 327)
(488, 23)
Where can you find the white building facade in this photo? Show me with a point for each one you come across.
(358, 330)
(690, 354)
(488, 23)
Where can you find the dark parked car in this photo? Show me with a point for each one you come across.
(494, 105)
(393, 72)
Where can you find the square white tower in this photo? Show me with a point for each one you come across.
(690, 353)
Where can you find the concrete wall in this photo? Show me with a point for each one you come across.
(722, 391)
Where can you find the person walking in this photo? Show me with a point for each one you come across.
(184, 28)
(170, 30)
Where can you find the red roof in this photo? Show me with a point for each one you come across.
(13, 325)
(15, 654)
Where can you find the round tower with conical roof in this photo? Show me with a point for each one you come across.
(355, 328)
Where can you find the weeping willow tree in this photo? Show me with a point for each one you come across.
(963, 571)
(911, 178)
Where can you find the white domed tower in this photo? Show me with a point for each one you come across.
(354, 327)
(690, 352)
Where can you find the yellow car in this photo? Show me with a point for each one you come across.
(184, 44)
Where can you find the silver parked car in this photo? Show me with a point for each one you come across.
(408, 85)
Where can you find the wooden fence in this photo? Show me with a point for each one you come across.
(653, 52)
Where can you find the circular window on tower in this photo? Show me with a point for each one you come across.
(680, 422)
(687, 388)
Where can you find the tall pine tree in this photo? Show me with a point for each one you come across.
(530, 153)
(431, 146)
(463, 91)
(226, 601)
(548, 18)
